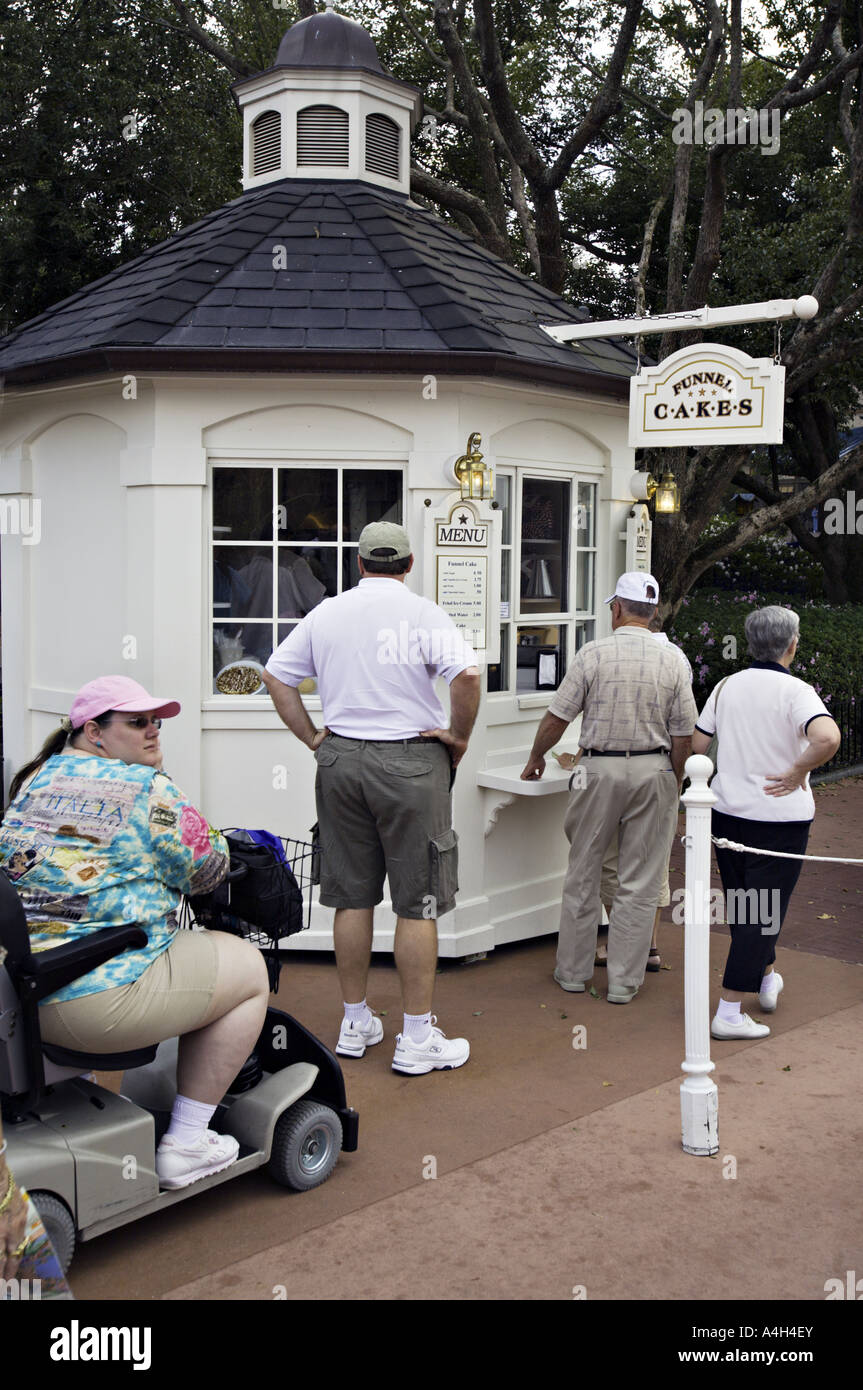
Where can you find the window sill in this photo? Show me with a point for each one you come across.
(508, 779)
(540, 700)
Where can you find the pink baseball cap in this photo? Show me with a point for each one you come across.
(117, 692)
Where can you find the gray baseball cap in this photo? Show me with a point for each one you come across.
(384, 535)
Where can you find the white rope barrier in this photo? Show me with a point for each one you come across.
(778, 853)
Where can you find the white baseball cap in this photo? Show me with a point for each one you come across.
(636, 585)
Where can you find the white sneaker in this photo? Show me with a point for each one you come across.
(354, 1039)
(178, 1164)
(745, 1027)
(436, 1053)
(769, 997)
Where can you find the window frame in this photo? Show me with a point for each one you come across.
(517, 470)
(382, 461)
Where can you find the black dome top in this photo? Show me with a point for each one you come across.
(328, 40)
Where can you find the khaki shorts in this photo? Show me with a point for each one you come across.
(385, 811)
(170, 998)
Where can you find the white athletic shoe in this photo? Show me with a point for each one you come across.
(768, 998)
(178, 1164)
(436, 1053)
(353, 1039)
(745, 1027)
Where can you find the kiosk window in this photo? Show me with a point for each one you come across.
(548, 569)
(283, 539)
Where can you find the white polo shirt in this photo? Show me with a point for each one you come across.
(376, 651)
(761, 719)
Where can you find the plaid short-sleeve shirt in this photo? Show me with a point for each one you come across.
(632, 692)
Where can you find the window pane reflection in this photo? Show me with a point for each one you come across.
(242, 504)
(308, 504)
(544, 546)
(242, 581)
(305, 577)
(370, 495)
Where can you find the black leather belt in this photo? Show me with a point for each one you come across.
(633, 753)
(418, 738)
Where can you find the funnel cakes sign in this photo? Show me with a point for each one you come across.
(707, 394)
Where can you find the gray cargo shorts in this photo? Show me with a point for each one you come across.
(385, 810)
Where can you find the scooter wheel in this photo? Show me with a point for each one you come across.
(58, 1224)
(306, 1145)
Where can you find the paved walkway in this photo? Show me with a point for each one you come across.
(557, 1168)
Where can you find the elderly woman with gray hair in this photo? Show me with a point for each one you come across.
(773, 729)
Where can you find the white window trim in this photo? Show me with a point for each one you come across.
(380, 461)
(504, 704)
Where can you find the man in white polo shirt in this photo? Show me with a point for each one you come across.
(638, 715)
(386, 764)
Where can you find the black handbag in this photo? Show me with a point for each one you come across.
(261, 890)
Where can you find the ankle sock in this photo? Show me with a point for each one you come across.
(189, 1119)
(729, 1012)
(417, 1027)
(358, 1014)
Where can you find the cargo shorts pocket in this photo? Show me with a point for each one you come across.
(324, 756)
(443, 853)
(407, 767)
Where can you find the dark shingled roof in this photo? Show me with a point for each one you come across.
(370, 283)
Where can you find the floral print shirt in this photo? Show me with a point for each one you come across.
(96, 842)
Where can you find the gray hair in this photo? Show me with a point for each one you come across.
(635, 608)
(769, 632)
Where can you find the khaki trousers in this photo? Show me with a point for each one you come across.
(635, 799)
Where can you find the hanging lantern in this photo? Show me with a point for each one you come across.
(667, 495)
(472, 474)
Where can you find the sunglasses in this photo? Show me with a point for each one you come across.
(141, 721)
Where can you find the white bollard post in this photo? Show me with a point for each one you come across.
(699, 1105)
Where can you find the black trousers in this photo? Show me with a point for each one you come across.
(757, 890)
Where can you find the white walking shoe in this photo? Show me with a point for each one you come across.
(768, 998)
(744, 1027)
(178, 1164)
(354, 1039)
(435, 1053)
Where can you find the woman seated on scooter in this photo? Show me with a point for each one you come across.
(96, 835)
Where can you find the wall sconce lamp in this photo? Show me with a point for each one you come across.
(472, 474)
(665, 493)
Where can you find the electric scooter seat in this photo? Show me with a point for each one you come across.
(27, 1064)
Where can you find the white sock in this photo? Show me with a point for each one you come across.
(729, 1012)
(417, 1027)
(189, 1120)
(358, 1014)
(769, 982)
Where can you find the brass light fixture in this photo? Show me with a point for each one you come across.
(665, 493)
(472, 474)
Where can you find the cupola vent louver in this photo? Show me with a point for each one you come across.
(382, 146)
(266, 143)
(322, 136)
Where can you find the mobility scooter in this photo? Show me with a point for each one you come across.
(87, 1155)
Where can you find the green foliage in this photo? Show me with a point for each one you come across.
(775, 563)
(829, 657)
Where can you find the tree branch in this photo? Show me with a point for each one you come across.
(208, 43)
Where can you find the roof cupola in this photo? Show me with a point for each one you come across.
(326, 109)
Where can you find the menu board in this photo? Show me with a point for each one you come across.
(462, 582)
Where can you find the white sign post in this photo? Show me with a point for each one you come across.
(699, 1105)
